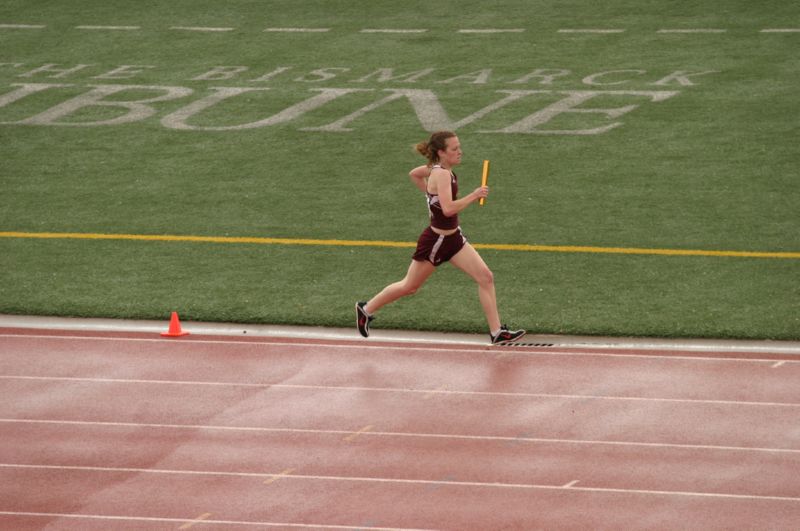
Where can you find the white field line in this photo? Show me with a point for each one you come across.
(600, 31)
(22, 26)
(390, 30)
(149, 519)
(408, 435)
(430, 392)
(697, 30)
(356, 479)
(113, 28)
(492, 30)
(297, 30)
(200, 28)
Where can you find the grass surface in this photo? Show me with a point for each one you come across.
(711, 167)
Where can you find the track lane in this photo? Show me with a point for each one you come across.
(465, 436)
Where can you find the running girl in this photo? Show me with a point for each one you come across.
(442, 241)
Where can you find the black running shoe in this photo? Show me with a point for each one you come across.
(506, 336)
(363, 319)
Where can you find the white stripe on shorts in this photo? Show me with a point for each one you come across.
(435, 249)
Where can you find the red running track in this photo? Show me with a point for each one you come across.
(132, 431)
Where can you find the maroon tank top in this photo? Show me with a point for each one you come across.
(438, 219)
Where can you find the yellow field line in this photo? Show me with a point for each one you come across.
(635, 250)
(382, 243)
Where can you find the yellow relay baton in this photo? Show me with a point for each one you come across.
(484, 179)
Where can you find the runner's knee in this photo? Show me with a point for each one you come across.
(485, 277)
(410, 288)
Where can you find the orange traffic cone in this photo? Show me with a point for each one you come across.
(174, 327)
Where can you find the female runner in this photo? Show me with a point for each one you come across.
(442, 241)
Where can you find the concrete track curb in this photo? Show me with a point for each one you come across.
(400, 336)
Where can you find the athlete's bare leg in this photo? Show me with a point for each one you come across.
(418, 273)
(469, 261)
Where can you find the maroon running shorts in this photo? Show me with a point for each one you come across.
(438, 249)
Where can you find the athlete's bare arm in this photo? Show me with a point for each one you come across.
(419, 176)
(439, 183)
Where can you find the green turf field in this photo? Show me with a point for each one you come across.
(629, 124)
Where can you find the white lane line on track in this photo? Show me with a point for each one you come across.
(424, 392)
(199, 519)
(464, 348)
(781, 30)
(149, 519)
(409, 435)
(356, 479)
